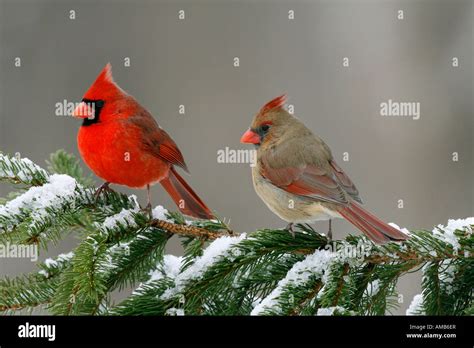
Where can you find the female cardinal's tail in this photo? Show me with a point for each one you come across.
(185, 198)
(372, 226)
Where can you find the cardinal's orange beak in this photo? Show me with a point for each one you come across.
(84, 110)
(250, 137)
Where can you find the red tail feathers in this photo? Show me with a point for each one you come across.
(372, 226)
(185, 198)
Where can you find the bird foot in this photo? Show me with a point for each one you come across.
(330, 230)
(289, 228)
(148, 210)
(104, 188)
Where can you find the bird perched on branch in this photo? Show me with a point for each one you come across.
(297, 178)
(123, 144)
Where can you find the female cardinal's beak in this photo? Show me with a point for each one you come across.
(250, 137)
(84, 110)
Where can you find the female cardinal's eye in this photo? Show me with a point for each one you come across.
(265, 128)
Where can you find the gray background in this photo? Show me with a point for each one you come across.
(190, 62)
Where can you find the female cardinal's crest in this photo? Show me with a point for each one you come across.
(104, 87)
(278, 102)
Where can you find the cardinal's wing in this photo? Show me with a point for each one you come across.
(307, 169)
(156, 141)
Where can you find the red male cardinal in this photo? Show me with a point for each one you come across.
(122, 143)
(298, 179)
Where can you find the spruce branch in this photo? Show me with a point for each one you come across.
(266, 272)
(189, 231)
(23, 171)
(60, 162)
(32, 290)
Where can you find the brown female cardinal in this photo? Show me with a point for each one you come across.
(298, 179)
(122, 144)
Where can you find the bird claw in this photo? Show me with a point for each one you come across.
(148, 210)
(289, 228)
(330, 230)
(102, 188)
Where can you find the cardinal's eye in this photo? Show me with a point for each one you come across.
(265, 128)
(98, 103)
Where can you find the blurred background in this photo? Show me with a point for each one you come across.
(191, 62)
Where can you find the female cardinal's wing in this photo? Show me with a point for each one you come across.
(307, 170)
(345, 181)
(155, 140)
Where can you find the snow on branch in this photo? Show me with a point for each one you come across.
(265, 272)
(21, 171)
(35, 203)
(219, 249)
